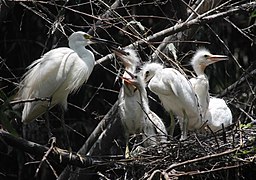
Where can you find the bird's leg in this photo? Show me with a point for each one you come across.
(64, 129)
(172, 125)
(184, 126)
(127, 151)
(47, 118)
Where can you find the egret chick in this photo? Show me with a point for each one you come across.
(133, 102)
(154, 128)
(176, 95)
(201, 59)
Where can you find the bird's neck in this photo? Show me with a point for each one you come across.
(83, 53)
(144, 100)
(199, 69)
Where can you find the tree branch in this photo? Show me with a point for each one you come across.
(40, 150)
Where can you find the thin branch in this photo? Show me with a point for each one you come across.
(201, 159)
(200, 20)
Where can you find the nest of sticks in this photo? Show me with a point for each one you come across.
(222, 155)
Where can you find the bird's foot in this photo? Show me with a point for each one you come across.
(137, 151)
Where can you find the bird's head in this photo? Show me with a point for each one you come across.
(129, 58)
(203, 58)
(133, 83)
(149, 70)
(80, 38)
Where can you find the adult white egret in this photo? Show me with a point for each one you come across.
(201, 59)
(56, 74)
(133, 103)
(176, 95)
(215, 110)
(218, 114)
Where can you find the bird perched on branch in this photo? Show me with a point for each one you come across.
(215, 110)
(176, 95)
(56, 74)
(134, 110)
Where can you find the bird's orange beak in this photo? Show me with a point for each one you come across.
(128, 80)
(216, 58)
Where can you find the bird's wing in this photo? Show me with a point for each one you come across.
(218, 114)
(160, 129)
(44, 77)
(162, 83)
(46, 74)
(176, 82)
(193, 82)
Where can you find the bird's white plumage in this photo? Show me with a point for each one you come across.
(128, 98)
(175, 93)
(56, 74)
(201, 83)
(201, 59)
(133, 105)
(218, 113)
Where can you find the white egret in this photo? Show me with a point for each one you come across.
(154, 128)
(215, 110)
(56, 74)
(201, 59)
(176, 95)
(133, 103)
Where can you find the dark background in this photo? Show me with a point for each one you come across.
(28, 30)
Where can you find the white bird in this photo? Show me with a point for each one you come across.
(218, 114)
(56, 74)
(215, 110)
(176, 95)
(154, 128)
(201, 59)
(133, 102)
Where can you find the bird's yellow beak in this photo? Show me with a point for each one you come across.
(216, 58)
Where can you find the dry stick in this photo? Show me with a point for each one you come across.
(239, 30)
(226, 47)
(96, 92)
(192, 173)
(201, 159)
(122, 19)
(105, 15)
(29, 100)
(234, 85)
(40, 150)
(53, 142)
(200, 20)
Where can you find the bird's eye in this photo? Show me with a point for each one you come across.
(206, 56)
(135, 77)
(147, 73)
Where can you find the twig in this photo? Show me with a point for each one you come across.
(200, 20)
(201, 159)
(53, 142)
(29, 100)
(237, 83)
(198, 172)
